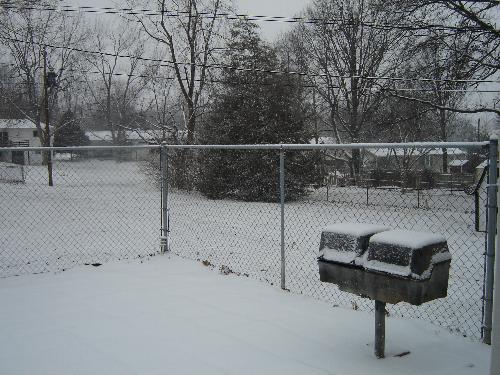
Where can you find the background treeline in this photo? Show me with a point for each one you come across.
(347, 71)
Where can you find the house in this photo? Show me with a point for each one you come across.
(132, 138)
(419, 159)
(458, 165)
(20, 133)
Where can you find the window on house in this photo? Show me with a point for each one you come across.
(35, 133)
(4, 138)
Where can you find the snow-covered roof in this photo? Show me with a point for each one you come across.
(457, 163)
(134, 135)
(381, 152)
(323, 141)
(483, 165)
(18, 124)
(439, 151)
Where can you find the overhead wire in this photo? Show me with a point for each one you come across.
(239, 82)
(170, 63)
(236, 16)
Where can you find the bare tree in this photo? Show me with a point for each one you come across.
(464, 35)
(349, 54)
(27, 36)
(120, 81)
(189, 30)
(161, 116)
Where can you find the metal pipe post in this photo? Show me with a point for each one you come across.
(282, 202)
(495, 335)
(418, 197)
(164, 198)
(379, 329)
(490, 240)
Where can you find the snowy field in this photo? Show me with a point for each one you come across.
(102, 210)
(166, 315)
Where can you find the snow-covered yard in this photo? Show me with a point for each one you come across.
(102, 210)
(167, 315)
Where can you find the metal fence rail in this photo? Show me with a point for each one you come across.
(117, 205)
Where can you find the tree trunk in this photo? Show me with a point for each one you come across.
(442, 125)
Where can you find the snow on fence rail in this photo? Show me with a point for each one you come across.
(102, 210)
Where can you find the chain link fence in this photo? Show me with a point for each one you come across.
(223, 210)
(97, 211)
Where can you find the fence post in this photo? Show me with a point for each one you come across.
(282, 202)
(490, 240)
(495, 339)
(164, 198)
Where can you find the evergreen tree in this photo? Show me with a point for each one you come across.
(68, 132)
(255, 107)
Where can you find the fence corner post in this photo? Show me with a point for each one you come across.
(495, 336)
(490, 239)
(282, 203)
(164, 232)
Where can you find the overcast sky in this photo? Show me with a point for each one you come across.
(286, 8)
(270, 30)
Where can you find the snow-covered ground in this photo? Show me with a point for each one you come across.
(246, 238)
(97, 211)
(166, 315)
(102, 210)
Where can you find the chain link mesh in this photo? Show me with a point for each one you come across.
(108, 207)
(97, 211)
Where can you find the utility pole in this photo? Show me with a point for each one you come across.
(478, 129)
(46, 83)
(316, 131)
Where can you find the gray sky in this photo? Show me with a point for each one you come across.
(286, 8)
(270, 30)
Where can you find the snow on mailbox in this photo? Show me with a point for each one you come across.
(388, 266)
(347, 242)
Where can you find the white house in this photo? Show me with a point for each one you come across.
(19, 133)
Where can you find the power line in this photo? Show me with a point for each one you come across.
(236, 16)
(236, 83)
(256, 70)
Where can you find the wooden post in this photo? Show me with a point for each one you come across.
(47, 118)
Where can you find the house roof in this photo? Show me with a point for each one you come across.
(382, 152)
(18, 124)
(457, 163)
(133, 135)
(323, 141)
(483, 165)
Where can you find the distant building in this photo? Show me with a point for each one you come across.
(430, 159)
(458, 165)
(132, 138)
(19, 133)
